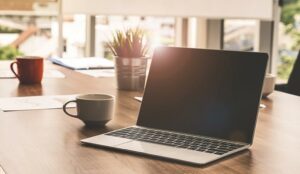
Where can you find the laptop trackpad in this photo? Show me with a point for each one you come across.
(105, 140)
(167, 151)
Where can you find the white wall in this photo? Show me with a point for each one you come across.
(254, 9)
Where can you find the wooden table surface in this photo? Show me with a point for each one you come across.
(47, 141)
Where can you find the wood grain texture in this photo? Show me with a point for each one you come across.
(47, 141)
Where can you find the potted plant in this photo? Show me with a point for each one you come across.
(130, 49)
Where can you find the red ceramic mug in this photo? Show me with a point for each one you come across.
(29, 69)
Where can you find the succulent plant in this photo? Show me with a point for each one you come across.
(129, 43)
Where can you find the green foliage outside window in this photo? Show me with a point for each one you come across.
(296, 37)
(285, 68)
(9, 53)
(4, 29)
(289, 11)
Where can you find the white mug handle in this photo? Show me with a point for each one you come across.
(65, 109)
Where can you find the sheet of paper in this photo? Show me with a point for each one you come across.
(139, 98)
(48, 73)
(35, 102)
(262, 106)
(98, 72)
(84, 62)
(6, 74)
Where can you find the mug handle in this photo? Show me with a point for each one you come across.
(12, 69)
(65, 109)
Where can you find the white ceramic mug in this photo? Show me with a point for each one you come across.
(93, 109)
(269, 85)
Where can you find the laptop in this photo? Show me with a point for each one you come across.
(198, 106)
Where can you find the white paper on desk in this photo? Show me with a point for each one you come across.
(48, 73)
(35, 102)
(6, 74)
(83, 63)
(98, 72)
(139, 99)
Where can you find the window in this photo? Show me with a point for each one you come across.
(161, 30)
(24, 25)
(239, 34)
(289, 38)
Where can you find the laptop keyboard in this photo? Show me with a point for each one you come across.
(202, 144)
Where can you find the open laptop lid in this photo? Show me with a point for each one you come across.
(204, 92)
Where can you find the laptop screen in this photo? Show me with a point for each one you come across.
(204, 92)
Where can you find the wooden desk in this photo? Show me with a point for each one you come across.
(47, 141)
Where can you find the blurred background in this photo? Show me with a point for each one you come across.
(25, 24)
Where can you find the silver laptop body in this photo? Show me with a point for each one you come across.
(198, 106)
